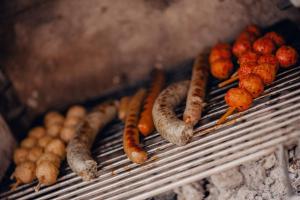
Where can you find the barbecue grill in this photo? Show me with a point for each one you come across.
(272, 121)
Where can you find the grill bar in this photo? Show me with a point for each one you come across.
(256, 132)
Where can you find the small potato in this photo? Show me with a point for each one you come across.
(46, 172)
(57, 147)
(240, 47)
(76, 111)
(28, 142)
(50, 157)
(264, 45)
(35, 153)
(44, 141)
(25, 172)
(53, 118)
(54, 130)
(238, 98)
(20, 155)
(72, 121)
(287, 56)
(67, 133)
(253, 84)
(221, 69)
(37, 132)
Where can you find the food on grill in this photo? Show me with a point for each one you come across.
(276, 38)
(248, 57)
(245, 35)
(123, 107)
(145, 124)
(44, 141)
(57, 147)
(37, 132)
(53, 122)
(287, 56)
(74, 117)
(221, 69)
(46, 173)
(253, 84)
(28, 142)
(131, 133)
(220, 51)
(165, 120)
(20, 155)
(267, 72)
(196, 92)
(49, 157)
(78, 150)
(240, 47)
(35, 153)
(24, 173)
(264, 45)
(269, 59)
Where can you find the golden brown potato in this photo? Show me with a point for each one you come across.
(44, 141)
(50, 157)
(53, 118)
(37, 132)
(25, 172)
(46, 172)
(57, 147)
(35, 153)
(67, 133)
(20, 155)
(28, 142)
(72, 121)
(76, 111)
(54, 129)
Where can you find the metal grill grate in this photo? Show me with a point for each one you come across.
(272, 120)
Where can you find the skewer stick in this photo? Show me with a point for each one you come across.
(37, 187)
(15, 185)
(232, 79)
(234, 74)
(229, 111)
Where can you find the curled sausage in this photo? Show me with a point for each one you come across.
(196, 93)
(78, 150)
(145, 124)
(167, 124)
(131, 134)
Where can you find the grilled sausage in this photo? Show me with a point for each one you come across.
(196, 93)
(78, 150)
(167, 124)
(123, 107)
(145, 124)
(131, 134)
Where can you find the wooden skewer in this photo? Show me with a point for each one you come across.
(15, 185)
(37, 187)
(232, 79)
(229, 111)
(234, 74)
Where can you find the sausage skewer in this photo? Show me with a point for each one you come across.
(78, 150)
(145, 124)
(196, 93)
(131, 133)
(165, 120)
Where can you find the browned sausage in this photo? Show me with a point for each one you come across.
(131, 133)
(123, 107)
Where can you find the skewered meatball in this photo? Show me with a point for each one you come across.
(253, 84)
(46, 172)
(37, 132)
(245, 69)
(221, 69)
(49, 157)
(264, 45)
(246, 36)
(248, 57)
(28, 142)
(240, 47)
(255, 30)
(25, 172)
(287, 56)
(35, 153)
(238, 98)
(20, 155)
(267, 72)
(276, 38)
(44, 141)
(270, 59)
(67, 133)
(53, 118)
(219, 53)
(72, 121)
(57, 147)
(76, 111)
(54, 129)
(221, 45)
